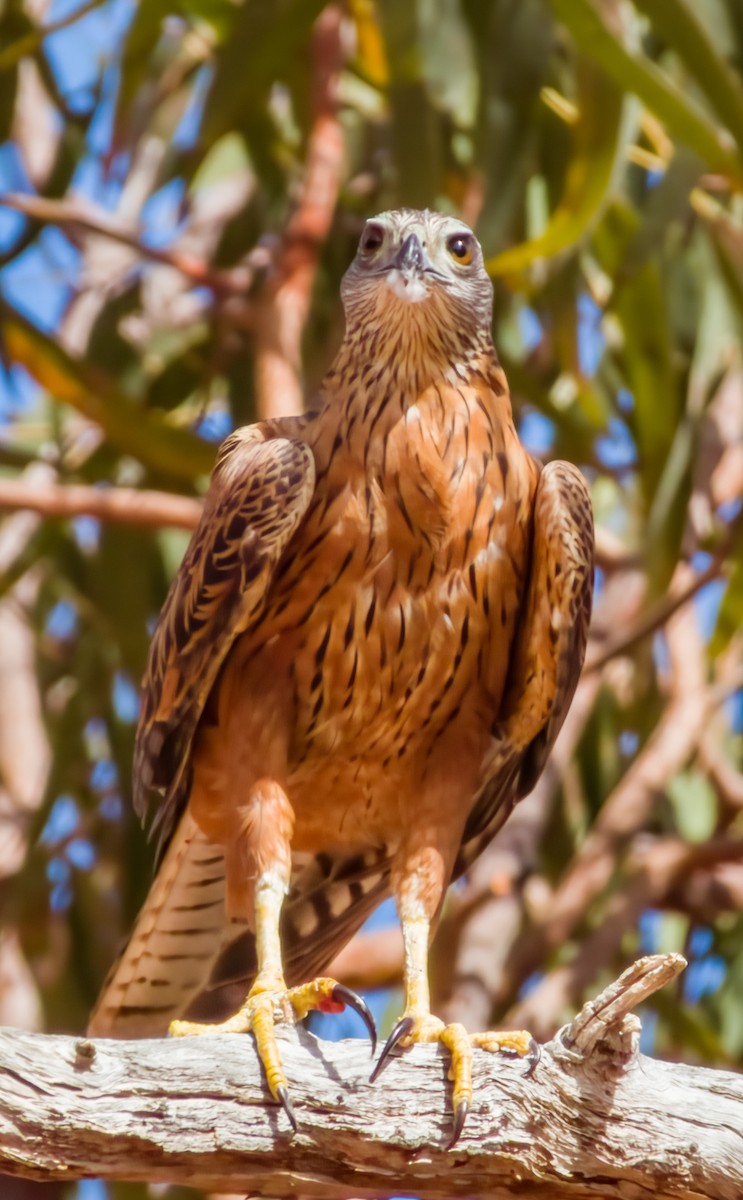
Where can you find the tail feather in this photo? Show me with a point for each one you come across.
(177, 936)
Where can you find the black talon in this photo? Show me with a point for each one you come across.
(460, 1116)
(533, 1057)
(282, 1096)
(343, 995)
(401, 1030)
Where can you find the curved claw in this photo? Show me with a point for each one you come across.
(533, 1057)
(460, 1116)
(343, 995)
(282, 1095)
(401, 1030)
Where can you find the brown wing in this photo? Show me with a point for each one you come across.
(259, 492)
(547, 657)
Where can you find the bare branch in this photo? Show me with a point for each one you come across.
(130, 506)
(599, 1018)
(626, 809)
(595, 1120)
(655, 867)
(657, 616)
(71, 215)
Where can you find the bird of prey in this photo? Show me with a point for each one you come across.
(361, 666)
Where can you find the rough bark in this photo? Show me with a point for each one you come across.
(596, 1119)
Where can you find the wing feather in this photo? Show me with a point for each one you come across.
(259, 492)
(547, 657)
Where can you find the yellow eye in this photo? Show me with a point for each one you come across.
(461, 248)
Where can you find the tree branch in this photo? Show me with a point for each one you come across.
(282, 310)
(595, 1120)
(627, 808)
(132, 506)
(74, 215)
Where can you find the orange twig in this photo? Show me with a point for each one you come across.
(282, 311)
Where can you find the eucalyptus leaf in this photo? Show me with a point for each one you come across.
(694, 803)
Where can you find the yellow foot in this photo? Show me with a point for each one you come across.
(268, 1003)
(423, 1027)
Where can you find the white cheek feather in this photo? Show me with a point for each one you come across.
(413, 413)
(412, 290)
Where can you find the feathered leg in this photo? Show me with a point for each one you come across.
(262, 851)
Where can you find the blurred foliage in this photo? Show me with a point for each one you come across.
(597, 148)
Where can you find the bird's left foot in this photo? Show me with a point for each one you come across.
(423, 1027)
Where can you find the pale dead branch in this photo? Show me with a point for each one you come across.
(595, 1120)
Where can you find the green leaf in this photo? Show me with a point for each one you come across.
(727, 239)
(513, 42)
(416, 126)
(260, 50)
(672, 933)
(730, 616)
(224, 159)
(598, 147)
(219, 15)
(667, 206)
(636, 73)
(19, 37)
(448, 60)
(8, 86)
(640, 305)
(687, 1026)
(662, 431)
(694, 803)
(147, 436)
(679, 25)
(136, 62)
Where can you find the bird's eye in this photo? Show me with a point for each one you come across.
(371, 239)
(461, 248)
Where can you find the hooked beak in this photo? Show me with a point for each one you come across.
(410, 258)
(411, 271)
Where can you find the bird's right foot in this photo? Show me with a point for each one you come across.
(270, 1002)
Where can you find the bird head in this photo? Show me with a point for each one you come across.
(421, 273)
